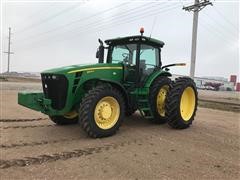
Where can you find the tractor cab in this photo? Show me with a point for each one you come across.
(139, 55)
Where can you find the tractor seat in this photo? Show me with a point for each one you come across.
(142, 64)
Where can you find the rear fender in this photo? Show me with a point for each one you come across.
(153, 76)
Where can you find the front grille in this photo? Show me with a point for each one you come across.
(55, 87)
(76, 81)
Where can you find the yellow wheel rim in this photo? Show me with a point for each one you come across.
(161, 97)
(187, 104)
(107, 112)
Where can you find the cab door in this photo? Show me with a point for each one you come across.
(149, 59)
(126, 54)
(130, 66)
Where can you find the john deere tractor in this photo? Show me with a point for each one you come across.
(99, 96)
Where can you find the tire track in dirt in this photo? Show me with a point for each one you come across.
(22, 120)
(30, 126)
(46, 158)
(8, 146)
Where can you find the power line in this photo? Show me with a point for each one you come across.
(103, 26)
(48, 18)
(135, 18)
(121, 18)
(213, 32)
(155, 20)
(223, 31)
(226, 45)
(97, 22)
(73, 22)
(36, 13)
(9, 49)
(135, 9)
(222, 26)
(224, 18)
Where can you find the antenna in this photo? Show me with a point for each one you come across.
(153, 25)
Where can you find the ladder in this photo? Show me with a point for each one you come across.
(143, 102)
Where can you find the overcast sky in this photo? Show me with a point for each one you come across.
(51, 34)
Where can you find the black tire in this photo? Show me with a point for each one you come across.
(159, 83)
(175, 119)
(87, 109)
(61, 120)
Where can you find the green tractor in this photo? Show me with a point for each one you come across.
(99, 96)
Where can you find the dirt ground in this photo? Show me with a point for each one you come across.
(33, 148)
(220, 96)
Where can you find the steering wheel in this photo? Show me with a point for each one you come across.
(125, 55)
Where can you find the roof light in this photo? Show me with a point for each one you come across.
(141, 30)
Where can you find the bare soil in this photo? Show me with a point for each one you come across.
(19, 79)
(220, 96)
(32, 147)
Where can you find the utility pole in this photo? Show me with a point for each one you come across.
(9, 49)
(198, 6)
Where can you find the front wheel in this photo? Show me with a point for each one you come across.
(102, 111)
(157, 98)
(181, 103)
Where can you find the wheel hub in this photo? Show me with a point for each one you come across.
(107, 112)
(161, 97)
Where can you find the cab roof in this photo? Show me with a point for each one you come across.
(134, 39)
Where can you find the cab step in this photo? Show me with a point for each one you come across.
(144, 106)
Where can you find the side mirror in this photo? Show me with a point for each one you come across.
(100, 41)
(100, 52)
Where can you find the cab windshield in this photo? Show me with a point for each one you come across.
(125, 54)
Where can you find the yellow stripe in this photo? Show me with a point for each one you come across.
(91, 69)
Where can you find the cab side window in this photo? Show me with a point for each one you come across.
(149, 60)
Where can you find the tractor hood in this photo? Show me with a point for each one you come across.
(80, 68)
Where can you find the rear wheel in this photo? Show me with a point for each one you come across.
(181, 103)
(157, 98)
(101, 111)
(69, 118)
